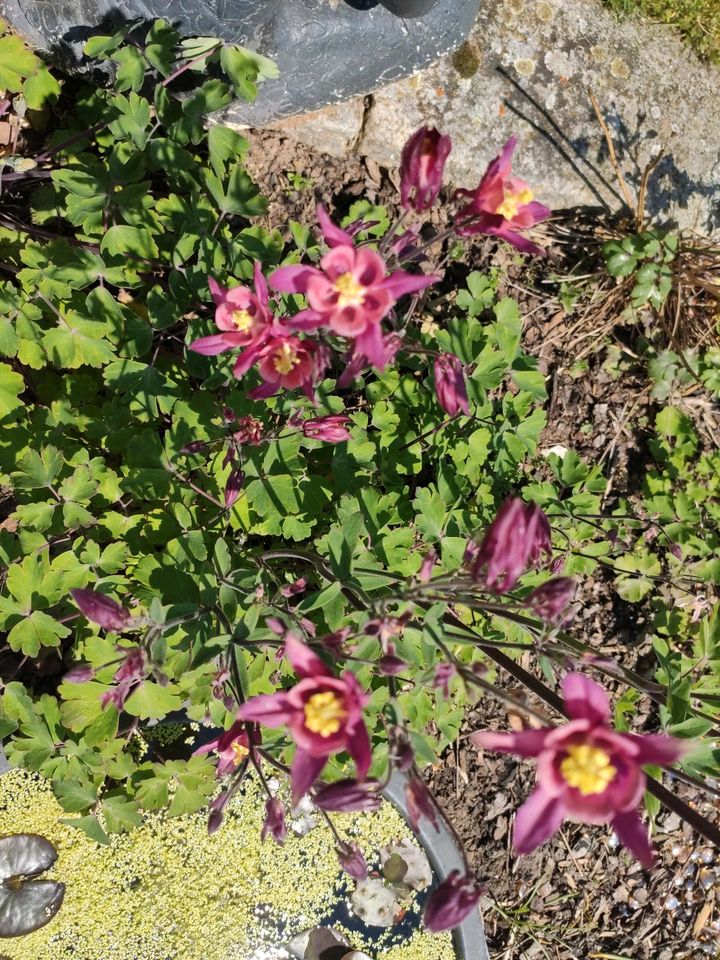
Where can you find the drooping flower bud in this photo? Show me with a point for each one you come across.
(216, 812)
(107, 613)
(429, 561)
(421, 168)
(274, 825)
(514, 541)
(80, 673)
(348, 796)
(451, 902)
(419, 803)
(352, 861)
(291, 589)
(332, 428)
(195, 446)
(550, 600)
(443, 675)
(233, 487)
(450, 385)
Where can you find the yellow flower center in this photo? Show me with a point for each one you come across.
(352, 293)
(240, 751)
(587, 768)
(324, 713)
(242, 320)
(286, 358)
(513, 201)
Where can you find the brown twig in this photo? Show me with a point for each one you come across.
(613, 155)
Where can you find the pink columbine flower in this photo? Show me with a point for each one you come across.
(448, 905)
(586, 772)
(550, 600)
(421, 168)
(515, 541)
(285, 362)
(332, 428)
(106, 612)
(232, 748)
(501, 205)
(323, 713)
(350, 294)
(243, 317)
(450, 384)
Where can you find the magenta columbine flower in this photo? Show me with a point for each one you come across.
(332, 428)
(515, 540)
(285, 362)
(232, 748)
(450, 385)
(322, 712)
(501, 205)
(243, 317)
(106, 612)
(586, 771)
(448, 905)
(422, 165)
(350, 294)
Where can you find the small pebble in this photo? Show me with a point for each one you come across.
(672, 903)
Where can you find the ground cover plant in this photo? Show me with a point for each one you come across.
(286, 485)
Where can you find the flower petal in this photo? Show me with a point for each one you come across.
(633, 834)
(334, 236)
(359, 749)
(370, 344)
(210, 346)
(537, 820)
(292, 279)
(401, 282)
(585, 700)
(307, 319)
(271, 709)
(304, 662)
(527, 743)
(261, 287)
(304, 772)
(658, 748)
(218, 292)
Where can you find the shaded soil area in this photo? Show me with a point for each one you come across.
(579, 896)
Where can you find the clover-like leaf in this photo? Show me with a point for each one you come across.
(26, 904)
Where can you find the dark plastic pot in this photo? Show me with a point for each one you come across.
(445, 855)
(408, 8)
(326, 52)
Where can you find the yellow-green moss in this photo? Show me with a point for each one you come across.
(167, 891)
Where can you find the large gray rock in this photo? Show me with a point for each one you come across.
(527, 68)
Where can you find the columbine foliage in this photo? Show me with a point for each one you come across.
(257, 485)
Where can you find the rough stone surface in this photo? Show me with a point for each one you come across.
(527, 68)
